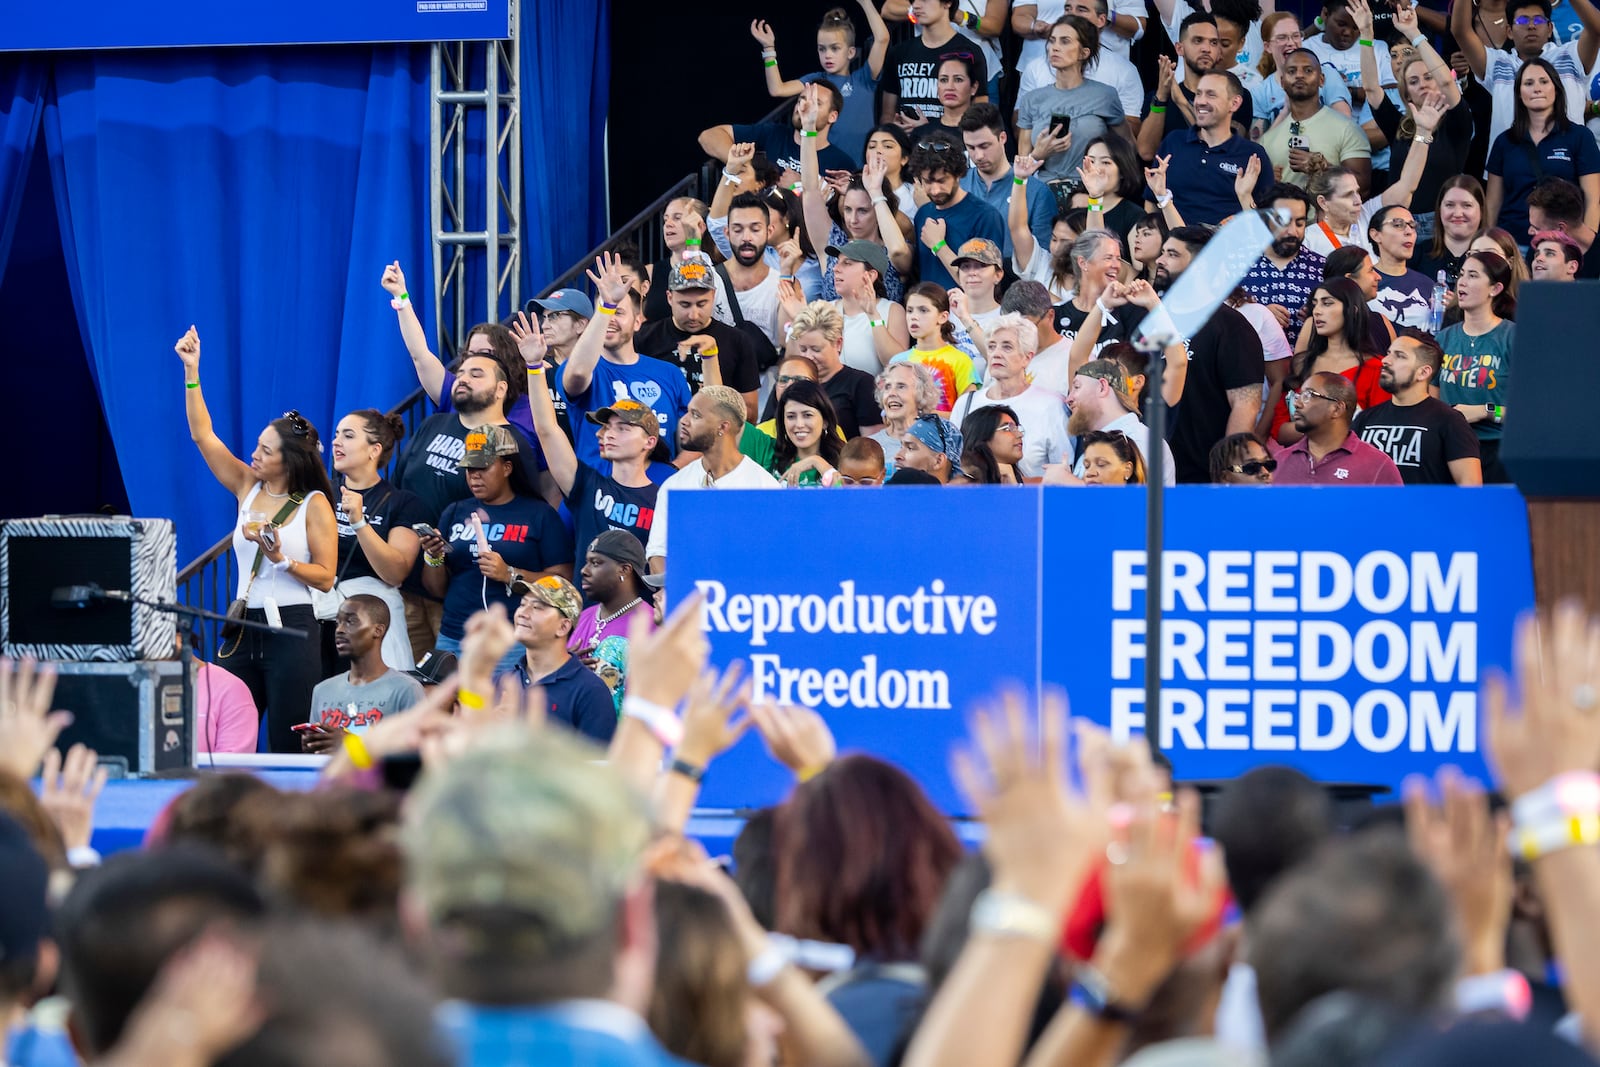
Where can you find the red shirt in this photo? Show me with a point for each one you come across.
(1369, 394)
(1353, 463)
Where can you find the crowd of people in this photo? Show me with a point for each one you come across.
(473, 883)
(932, 272)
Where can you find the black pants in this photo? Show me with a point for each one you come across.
(1494, 472)
(280, 671)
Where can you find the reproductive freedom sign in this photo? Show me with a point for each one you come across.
(1341, 631)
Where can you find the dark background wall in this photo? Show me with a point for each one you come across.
(676, 70)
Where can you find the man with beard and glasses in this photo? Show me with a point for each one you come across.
(1100, 400)
(1222, 392)
(1283, 278)
(952, 216)
(1330, 453)
(712, 427)
(691, 335)
(1209, 158)
(1311, 137)
(1430, 442)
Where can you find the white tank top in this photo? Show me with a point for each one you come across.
(292, 541)
(857, 350)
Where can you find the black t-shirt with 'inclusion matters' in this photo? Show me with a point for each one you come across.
(1422, 439)
(911, 73)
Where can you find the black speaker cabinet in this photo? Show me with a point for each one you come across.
(1549, 444)
(134, 715)
(113, 552)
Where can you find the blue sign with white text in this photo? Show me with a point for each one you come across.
(1341, 631)
(93, 24)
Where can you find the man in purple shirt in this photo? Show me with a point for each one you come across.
(1330, 453)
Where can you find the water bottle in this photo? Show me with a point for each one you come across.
(1436, 308)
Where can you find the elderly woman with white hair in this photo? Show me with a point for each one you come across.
(1041, 414)
(905, 390)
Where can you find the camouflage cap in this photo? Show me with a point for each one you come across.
(980, 250)
(485, 444)
(1110, 372)
(629, 411)
(557, 592)
(528, 822)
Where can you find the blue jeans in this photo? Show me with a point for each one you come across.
(512, 658)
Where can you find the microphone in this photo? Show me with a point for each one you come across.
(80, 597)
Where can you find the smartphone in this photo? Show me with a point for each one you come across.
(910, 112)
(1060, 124)
(269, 537)
(1298, 141)
(422, 529)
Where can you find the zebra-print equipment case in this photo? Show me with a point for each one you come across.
(29, 626)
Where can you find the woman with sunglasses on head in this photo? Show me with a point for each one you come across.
(1055, 123)
(1476, 372)
(1541, 143)
(285, 542)
(377, 545)
(1110, 457)
(1240, 459)
(1338, 342)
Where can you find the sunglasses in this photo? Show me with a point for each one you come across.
(936, 146)
(489, 352)
(1253, 467)
(790, 379)
(297, 423)
(1531, 20)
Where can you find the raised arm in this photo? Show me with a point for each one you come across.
(880, 37)
(813, 190)
(716, 141)
(1154, 127)
(1022, 242)
(234, 474)
(1362, 13)
(1405, 23)
(1472, 48)
(1589, 39)
(1175, 359)
(1155, 176)
(739, 166)
(558, 454)
(612, 289)
(889, 230)
(1426, 115)
(776, 85)
(429, 368)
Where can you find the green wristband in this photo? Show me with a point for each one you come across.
(1019, 181)
(1364, 42)
(770, 63)
(1158, 109)
(191, 385)
(938, 246)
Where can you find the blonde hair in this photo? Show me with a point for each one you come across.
(819, 316)
(727, 402)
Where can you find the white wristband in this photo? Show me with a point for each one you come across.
(1163, 200)
(283, 565)
(662, 721)
(359, 524)
(1419, 40)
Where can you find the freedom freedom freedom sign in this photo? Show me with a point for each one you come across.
(1341, 631)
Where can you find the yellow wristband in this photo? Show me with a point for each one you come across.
(809, 773)
(356, 749)
(468, 699)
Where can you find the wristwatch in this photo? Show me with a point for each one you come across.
(1092, 992)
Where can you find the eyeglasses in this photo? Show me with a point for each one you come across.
(1404, 225)
(1530, 20)
(1280, 38)
(1009, 427)
(1304, 393)
(1253, 467)
(297, 423)
(790, 379)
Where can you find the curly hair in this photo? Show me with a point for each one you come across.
(928, 393)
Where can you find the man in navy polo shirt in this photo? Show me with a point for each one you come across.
(574, 694)
(952, 216)
(1210, 156)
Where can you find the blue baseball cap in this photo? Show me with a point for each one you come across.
(566, 300)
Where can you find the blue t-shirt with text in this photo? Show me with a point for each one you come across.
(655, 383)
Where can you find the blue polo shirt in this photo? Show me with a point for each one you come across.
(1041, 204)
(969, 217)
(576, 697)
(1200, 177)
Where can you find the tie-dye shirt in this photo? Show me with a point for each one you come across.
(951, 366)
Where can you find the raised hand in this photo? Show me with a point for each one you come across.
(28, 728)
(662, 665)
(1042, 835)
(201, 1006)
(1026, 166)
(1429, 113)
(1116, 294)
(1049, 143)
(1165, 69)
(529, 335)
(763, 34)
(1244, 183)
(872, 175)
(838, 180)
(790, 256)
(740, 158)
(188, 349)
(933, 231)
(693, 225)
(68, 790)
(394, 279)
(1466, 849)
(958, 304)
(1155, 175)
(489, 635)
(1405, 18)
(1097, 180)
(610, 282)
(1361, 11)
(805, 106)
(709, 724)
(796, 736)
(791, 297)
(1555, 726)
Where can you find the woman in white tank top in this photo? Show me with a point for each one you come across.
(286, 536)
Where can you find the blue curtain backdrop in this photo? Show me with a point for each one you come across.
(256, 194)
(22, 81)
